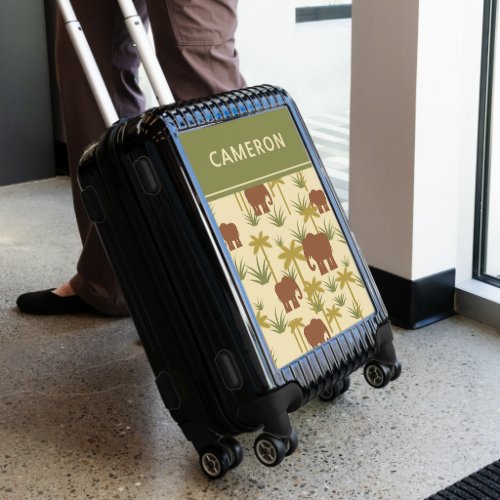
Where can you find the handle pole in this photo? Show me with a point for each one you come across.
(88, 63)
(147, 54)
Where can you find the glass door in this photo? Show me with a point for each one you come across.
(304, 46)
(487, 233)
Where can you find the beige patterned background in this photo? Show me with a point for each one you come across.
(271, 248)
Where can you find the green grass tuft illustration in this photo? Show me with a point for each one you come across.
(340, 237)
(279, 324)
(261, 273)
(299, 235)
(328, 230)
(356, 312)
(301, 205)
(340, 300)
(277, 217)
(331, 284)
(299, 181)
(346, 262)
(275, 358)
(259, 305)
(251, 218)
(278, 241)
(359, 282)
(291, 272)
(316, 302)
(242, 269)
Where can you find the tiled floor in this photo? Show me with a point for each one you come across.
(80, 415)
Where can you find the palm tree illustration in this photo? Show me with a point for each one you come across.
(261, 318)
(295, 326)
(212, 208)
(276, 183)
(306, 210)
(241, 201)
(345, 277)
(238, 201)
(332, 314)
(261, 242)
(292, 255)
(312, 287)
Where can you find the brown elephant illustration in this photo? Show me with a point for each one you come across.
(231, 235)
(257, 197)
(317, 197)
(286, 290)
(316, 332)
(317, 247)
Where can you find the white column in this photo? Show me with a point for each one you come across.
(382, 150)
(415, 90)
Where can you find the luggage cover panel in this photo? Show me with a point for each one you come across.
(281, 235)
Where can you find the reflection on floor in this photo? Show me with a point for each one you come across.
(330, 133)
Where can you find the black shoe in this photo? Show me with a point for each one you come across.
(48, 303)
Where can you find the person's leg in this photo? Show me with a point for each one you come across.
(102, 23)
(195, 45)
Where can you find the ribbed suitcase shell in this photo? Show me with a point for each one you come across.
(213, 368)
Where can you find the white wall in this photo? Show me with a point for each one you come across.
(437, 136)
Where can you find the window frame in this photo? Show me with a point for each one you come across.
(484, 147)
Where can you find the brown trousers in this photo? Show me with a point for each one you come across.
(194, 42)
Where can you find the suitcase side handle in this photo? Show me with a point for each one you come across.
(88, 63)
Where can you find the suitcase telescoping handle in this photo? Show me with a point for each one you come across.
(140, 38)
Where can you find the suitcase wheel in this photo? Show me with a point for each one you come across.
(377, 374)
(234, 449)
(292, 443)
(215, 461)
(333, 392)
(396, 371)
(271, 450)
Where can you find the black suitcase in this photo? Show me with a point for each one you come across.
(240, 271)
(235, 342)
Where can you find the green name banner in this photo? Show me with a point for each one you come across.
(244, 152)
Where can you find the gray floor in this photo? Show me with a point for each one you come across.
(80, 416)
